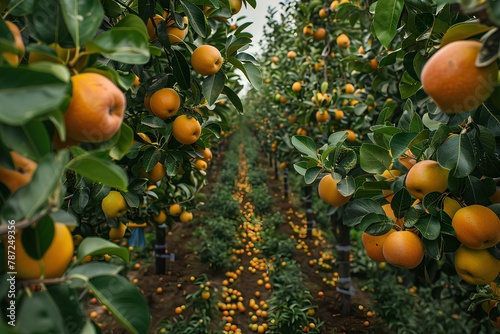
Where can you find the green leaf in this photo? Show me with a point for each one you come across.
(234, 98)
(250, 70)
(181, 69)
(374, 158)
(30, 140)
(121, 142)
(36, 240)
(305, 145)
(80, 200)
(400, 142)
(212, 86)
(39, 314)
(68, 303)
(29, 92)
(122, 43)
(429, 226)
(46, 23)
(462, 31)
(300, 167)
(128, 306)
(408, 86)
(196, 17)
(311, 174)
(433, 248)
(234, 44)
(150, 158)
(386, 19)
(357, 209)
(457, 155)
(99, 246)
(94, 269)
(27, 200)
(82, 18)
(495, 11)
(92, 166)
(346, 186)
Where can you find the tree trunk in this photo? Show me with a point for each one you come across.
(307, 200)
(160, 255)
(343, 238)
(285, 183)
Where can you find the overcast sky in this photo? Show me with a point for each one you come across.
(258, 17)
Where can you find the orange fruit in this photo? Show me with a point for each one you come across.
(206, 59)
(407, 159)
(96, 109)
(175, 209)
(13, 58)
(161, 217)
(117, 233)
(403, 249)
(186, 130)
(343, 41)
(339, 114)
(296, 87)
(235, 6)
(114, 204)
(151, 28)
(275, 59)
(20, 175)
(55, 260)
(477, 226)
(476, 266)
(426, 176)
(351, 136)
(349, 88)
(452, 79)
(308, 30)
(186, 216)
(373, 64)
(175, 34)
(155, 174)
(201, 164)
(373, 245)
(333, 4)
(328, 192)
(291, 54)
(165, 103)
(323, 13)
(322, 116)
(320, 34)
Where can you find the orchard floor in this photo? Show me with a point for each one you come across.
(176, 284)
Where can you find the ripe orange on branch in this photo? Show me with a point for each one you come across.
(403, 249)
(454, 82)
(476, 266)
(96, 109)
(343, 41)
(477, 226)
(165, 103)
(373, 245)
(328, 192)
(55, 260)
(186, 130)
(426, 176)
(20, 175)
(13, 58)
(206, 59)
